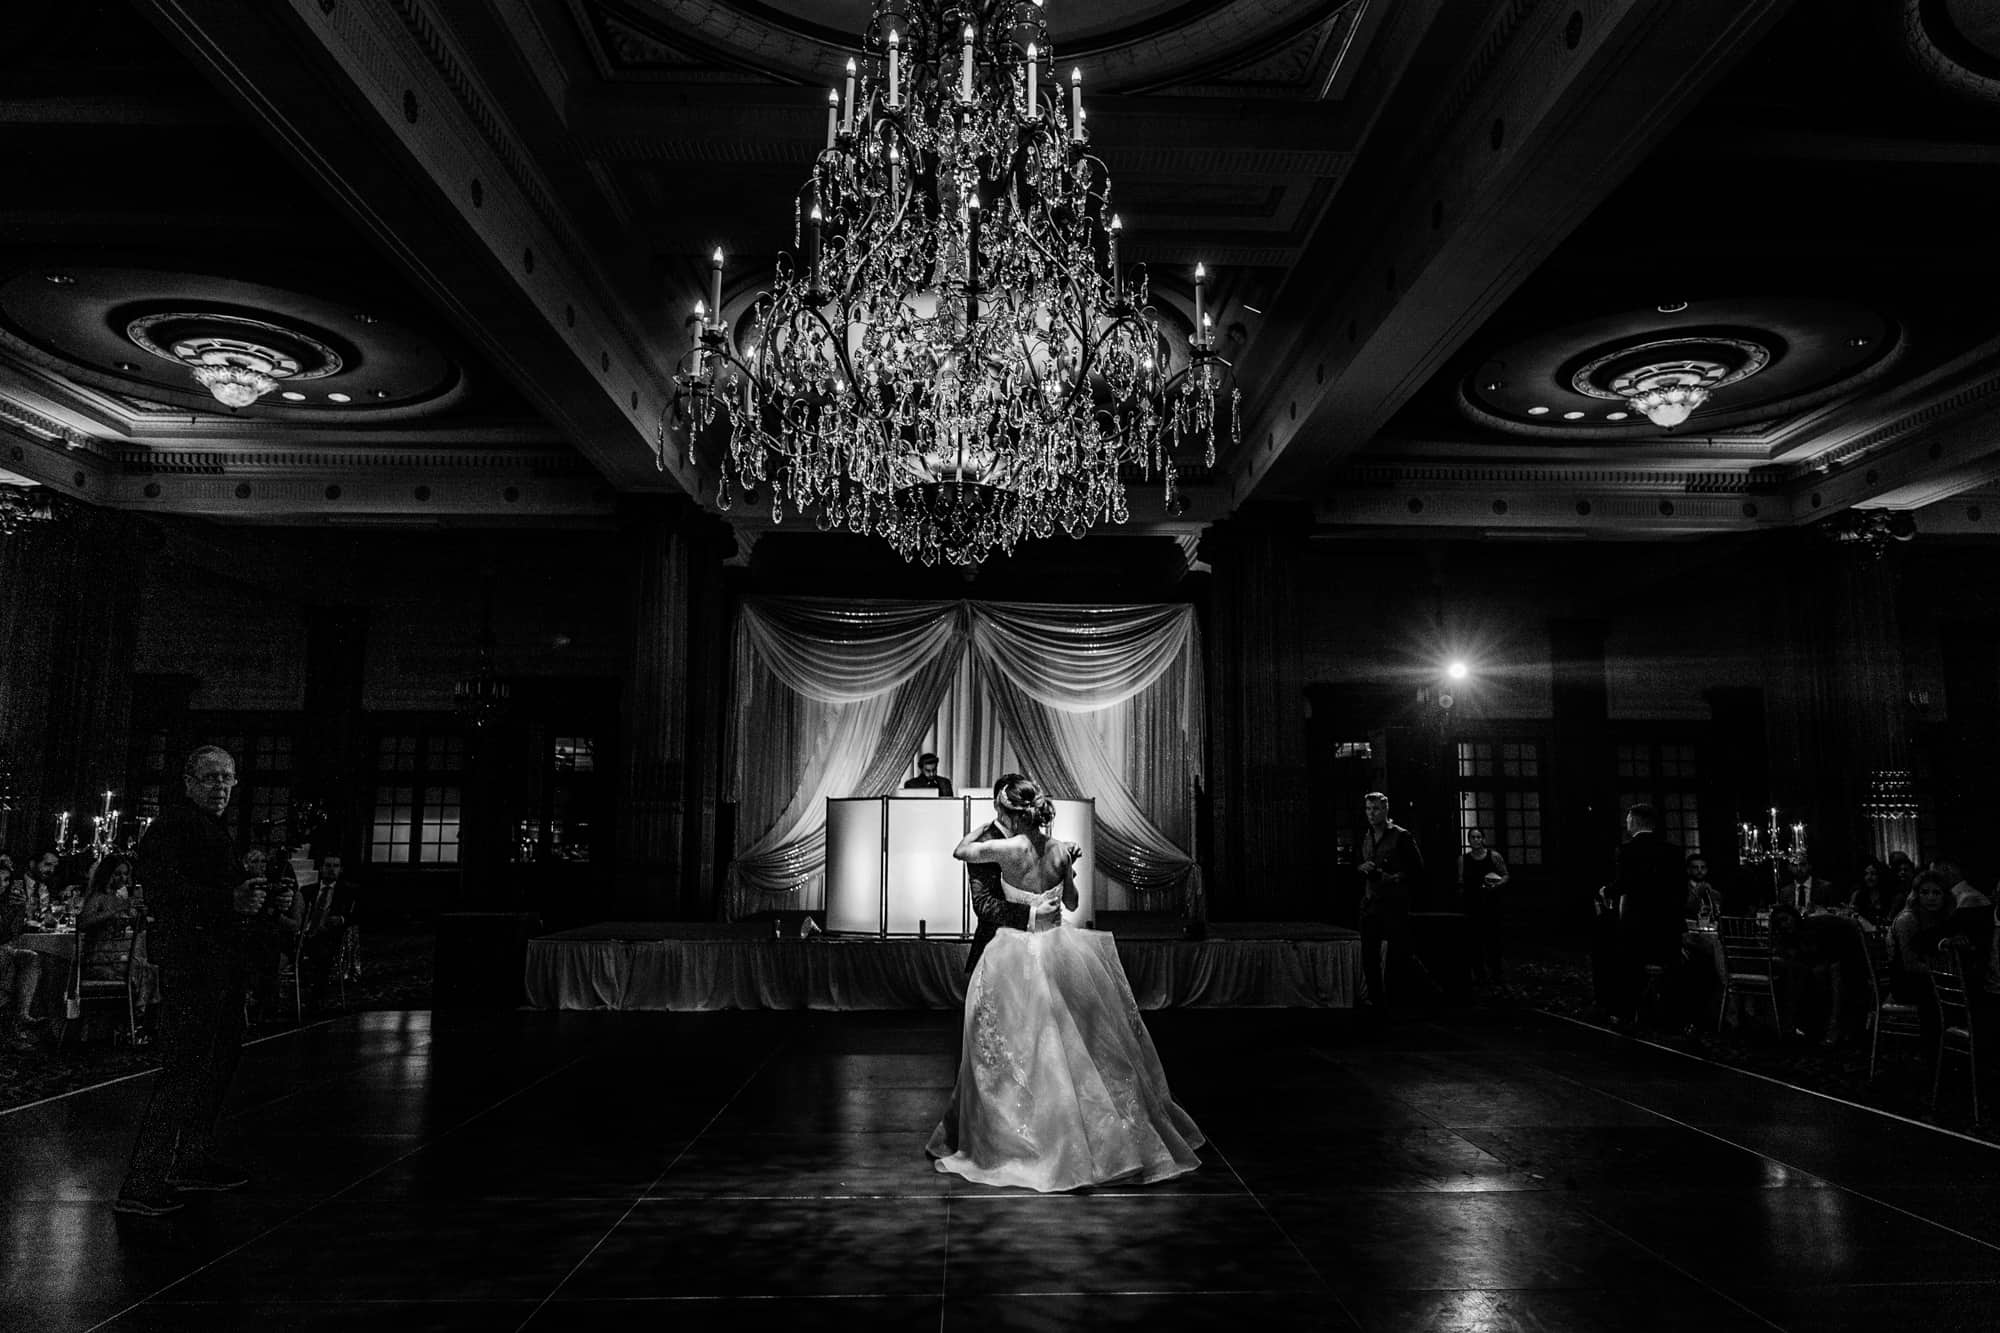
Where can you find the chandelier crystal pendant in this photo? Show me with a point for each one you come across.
(952, 357)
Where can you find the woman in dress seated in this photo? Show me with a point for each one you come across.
(112, 924)
(1058, 1085)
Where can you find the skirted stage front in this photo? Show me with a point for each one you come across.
(690, 966)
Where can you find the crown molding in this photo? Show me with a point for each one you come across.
(526, 292)
(1552, 106)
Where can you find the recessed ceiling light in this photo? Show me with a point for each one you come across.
(1572, 416)
(381, 393)
(127, 366)
(1671, 307)
(60, 279)
(292, 396)
(1616, 416)
(1538, 411)
(338, 398)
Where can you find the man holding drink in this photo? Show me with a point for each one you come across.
(202, 906)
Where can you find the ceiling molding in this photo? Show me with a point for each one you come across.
(437, 457)
(1665, 479)
(1553, 513)
(1554, 104)
(300, 69)
(334, 496)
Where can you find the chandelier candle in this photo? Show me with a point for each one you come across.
(953, 355)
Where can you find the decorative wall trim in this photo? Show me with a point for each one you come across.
(277, 462)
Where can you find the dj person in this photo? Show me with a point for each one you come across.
(927, 776)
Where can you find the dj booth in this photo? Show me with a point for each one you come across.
(899, 921)
(890, 872)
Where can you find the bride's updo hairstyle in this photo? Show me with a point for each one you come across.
(1019, 796)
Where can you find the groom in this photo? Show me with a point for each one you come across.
(989, 903)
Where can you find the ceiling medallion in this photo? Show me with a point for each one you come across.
(953, 357)
(1666, 379)
(237, 359)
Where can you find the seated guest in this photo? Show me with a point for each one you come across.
(329, 911)
(272, 934)
(1807, 891)
(1704, 900)
(1809, 978)
(1971, 910)
(110, 920)
(1914, 936)
(43, 896)
(927, 776)
(1871, 895)
(20, 969)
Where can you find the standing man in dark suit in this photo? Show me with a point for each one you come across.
(1648, 890)
(1392, 870)
(202, 908)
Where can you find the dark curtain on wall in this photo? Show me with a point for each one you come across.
(69, 594)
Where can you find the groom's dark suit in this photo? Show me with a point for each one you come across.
(989, 902)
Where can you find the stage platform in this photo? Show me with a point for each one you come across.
(695, 966)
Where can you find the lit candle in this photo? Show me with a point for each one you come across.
(62, 828)
(895, 68)
(832, 115)
(107, 801)
(1117, 283)
(895, 174)
(972, 245)
(1076, 104)
(1032, 110)
(850, 96)
(715, 282)
(812, 239)
(1200, 298)
(965, 67)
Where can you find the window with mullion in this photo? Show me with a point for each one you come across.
(1666, 776)
(1500, 792)
(418, 799)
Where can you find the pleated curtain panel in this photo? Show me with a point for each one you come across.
(834, 698)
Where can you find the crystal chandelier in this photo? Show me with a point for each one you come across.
(952, 357)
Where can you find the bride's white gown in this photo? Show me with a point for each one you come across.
(1059, 1085)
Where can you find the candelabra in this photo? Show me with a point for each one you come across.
(1775, 846)
(952, 357)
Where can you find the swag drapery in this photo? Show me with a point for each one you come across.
(833, 698)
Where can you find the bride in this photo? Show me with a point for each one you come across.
(1059, 1085)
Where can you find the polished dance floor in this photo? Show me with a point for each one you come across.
(747, 1171)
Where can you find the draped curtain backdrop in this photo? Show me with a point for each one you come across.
(834, 698)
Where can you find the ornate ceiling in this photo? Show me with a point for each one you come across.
(1449, 238)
